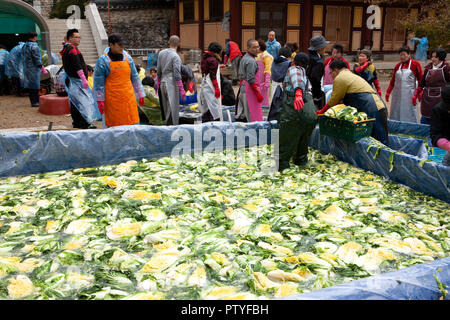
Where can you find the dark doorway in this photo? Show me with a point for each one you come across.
(10, 40)
(271, 16)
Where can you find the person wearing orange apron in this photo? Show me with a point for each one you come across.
(115, 83)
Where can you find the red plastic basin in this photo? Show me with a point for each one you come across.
(52, 104)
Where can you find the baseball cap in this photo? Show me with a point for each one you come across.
(116, 38)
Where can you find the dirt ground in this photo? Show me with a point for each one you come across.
(16, 114)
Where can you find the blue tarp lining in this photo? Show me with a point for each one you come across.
(415, 283)
(27, 153)
(416, 129)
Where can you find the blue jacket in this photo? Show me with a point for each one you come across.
(273, 48)
(279, 69)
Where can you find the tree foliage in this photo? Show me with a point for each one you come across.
(59, 8)
(433, 20)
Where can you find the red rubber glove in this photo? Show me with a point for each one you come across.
(361, 68)
(141, 101)
(216, 89)
(191, 86)
(259, 96)
(44, 71)
(225, 60)
(101, 106)
(298, 102)
(388, 93)
(377, 86)
(417, 95)
(323, 110)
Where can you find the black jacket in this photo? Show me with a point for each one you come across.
(315, 73)
(226, 88)
(440, 123)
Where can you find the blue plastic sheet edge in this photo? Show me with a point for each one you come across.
(24, 153)
(413, 283)
(417, 129)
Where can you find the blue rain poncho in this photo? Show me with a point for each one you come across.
(422, 47)
(14, 65)
(31, 65)
(102, 70)
(3, 56)
(82, 99)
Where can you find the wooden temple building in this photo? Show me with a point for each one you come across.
(199, 22)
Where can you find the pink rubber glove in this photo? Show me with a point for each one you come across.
(101, 106)
(182, 92)
(159, 83)
(443, 144)
(267, 81)
(83, 79)
(44, 71)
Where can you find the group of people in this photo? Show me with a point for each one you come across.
(296, 86)
(23, 66)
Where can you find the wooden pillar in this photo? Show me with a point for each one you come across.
(201, 25)
(175, 23)
(236, 21)
(306, 24)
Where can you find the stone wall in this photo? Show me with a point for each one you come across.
(141, 28)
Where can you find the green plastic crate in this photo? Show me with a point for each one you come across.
(343, 129)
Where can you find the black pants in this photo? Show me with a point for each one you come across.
(4, 85)
(34, 97)
(78, 120)
(15, 86)
(208, 117)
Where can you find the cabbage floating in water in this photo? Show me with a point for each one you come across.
(209, 228)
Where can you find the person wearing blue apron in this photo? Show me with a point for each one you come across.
(32, 68)
(14, 68)
(83, 108)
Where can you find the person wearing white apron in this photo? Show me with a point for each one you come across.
(210, 102)
(402, 86)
